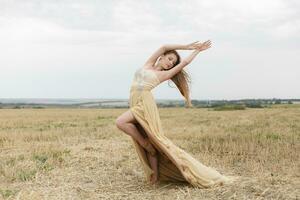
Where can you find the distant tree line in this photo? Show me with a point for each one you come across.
(215, 104)
(229, 104)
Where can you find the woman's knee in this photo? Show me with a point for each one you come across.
(124, 119)
(120, 123)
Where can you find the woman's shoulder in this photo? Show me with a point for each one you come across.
(147, 67)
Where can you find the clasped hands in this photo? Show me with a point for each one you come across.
(199, 46)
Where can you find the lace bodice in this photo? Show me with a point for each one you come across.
(144, 79)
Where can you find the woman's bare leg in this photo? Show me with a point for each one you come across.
(154, 166)
(126, 123)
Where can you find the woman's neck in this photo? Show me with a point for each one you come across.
(158, 67)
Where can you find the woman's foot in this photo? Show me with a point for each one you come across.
(153, 161)
(149, 147)
(153, 178)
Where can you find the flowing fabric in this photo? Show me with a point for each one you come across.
(174, 164)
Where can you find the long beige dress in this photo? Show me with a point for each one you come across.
(174, 164)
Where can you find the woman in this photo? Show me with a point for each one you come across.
(161, 158)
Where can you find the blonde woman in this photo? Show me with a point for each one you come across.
(161, 159)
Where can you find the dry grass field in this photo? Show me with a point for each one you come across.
(80, 153)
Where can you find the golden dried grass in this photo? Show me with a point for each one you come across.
(80, 154)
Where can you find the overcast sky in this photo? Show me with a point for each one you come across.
(91, 49)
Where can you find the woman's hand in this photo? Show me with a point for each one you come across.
(193, 45)
(199, 46)
(204, 46)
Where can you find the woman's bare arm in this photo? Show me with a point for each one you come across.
(191, 46)
(167, 47)
(152, 59)
(170, 73)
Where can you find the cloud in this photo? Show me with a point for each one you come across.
(240, 16)
(111, 39)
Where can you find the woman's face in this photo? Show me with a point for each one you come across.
(167, 61)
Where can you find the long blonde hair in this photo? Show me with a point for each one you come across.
(182, 80)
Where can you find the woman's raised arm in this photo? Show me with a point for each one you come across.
(190, 46)
(167, 47)
(170, 73)
(152, 59)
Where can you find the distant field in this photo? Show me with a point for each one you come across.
(80, 154)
